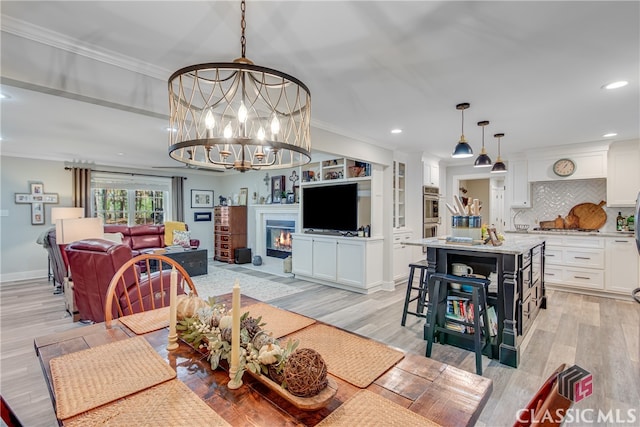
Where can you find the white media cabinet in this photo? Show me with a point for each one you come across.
(351, 263)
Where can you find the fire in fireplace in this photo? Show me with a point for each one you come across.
(278, 240)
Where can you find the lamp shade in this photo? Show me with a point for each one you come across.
(499, 167)
(462, 150)
(74, 229)
(483, 161)
(65, 213)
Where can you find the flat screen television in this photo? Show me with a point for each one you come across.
(330, 207)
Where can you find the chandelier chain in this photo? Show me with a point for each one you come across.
(243, 26)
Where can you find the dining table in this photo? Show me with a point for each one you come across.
(441, 393)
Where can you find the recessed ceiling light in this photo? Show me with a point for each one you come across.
(120, 154)
(616, 85)
(609, 135)
(396, 130)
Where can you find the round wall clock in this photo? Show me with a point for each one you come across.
(564, 167)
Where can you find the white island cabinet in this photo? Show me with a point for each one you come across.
(352, 263)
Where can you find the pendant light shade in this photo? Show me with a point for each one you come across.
(483, 159)
(238, 116)
(463, 149)
(499, 166)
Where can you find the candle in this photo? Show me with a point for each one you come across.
(235, 337)
(173, 307)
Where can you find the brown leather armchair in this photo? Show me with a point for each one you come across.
(93, 262)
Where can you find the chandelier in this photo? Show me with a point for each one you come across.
(237, 115)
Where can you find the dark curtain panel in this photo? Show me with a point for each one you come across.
(177, 190)
(82, 189)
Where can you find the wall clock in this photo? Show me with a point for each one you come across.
(564, 167)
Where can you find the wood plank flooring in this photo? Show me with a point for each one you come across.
(599, 334)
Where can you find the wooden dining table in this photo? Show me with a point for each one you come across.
(441, 393)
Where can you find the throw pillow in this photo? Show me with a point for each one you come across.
(181, 238)
(169, 228)
(114, 237)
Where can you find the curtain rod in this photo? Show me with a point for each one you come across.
(67, 168)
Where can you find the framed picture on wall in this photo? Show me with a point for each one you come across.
(201, 198)
(37, 213)
(277, 187)
(244, 194)
(201, 216)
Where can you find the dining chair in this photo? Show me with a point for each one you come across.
(8, 416)
(547, 407)
(131, 291)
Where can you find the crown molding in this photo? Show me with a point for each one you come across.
(56, 40)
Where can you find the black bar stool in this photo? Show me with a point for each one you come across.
(437, 308)
(421, 296)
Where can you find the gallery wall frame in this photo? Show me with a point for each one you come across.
(202, 198)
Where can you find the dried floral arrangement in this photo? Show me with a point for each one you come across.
(208, 328)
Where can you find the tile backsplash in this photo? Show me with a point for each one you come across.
(553, 198)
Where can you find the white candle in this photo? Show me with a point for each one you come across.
(235, 337)
(173, 307)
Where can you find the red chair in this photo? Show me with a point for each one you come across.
(8, 416)
(93, 263)
(547, 408)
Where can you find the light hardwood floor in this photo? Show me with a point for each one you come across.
(599, 334)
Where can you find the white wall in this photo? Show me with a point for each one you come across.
(20, 256)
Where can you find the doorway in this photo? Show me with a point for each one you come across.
(489, 191)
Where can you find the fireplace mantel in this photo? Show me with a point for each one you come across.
(272, 211)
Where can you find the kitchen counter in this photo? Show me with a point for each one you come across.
(511, 245)
(574, 233)
(518, 265)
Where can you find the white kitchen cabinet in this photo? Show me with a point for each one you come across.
(399, 197)
(574, 262)
(588, 165)
(623, 174)
(519, 185)
(352, 263)
(431, 174)
(402, 255)
(622, 265)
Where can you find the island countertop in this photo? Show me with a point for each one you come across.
(511, 245)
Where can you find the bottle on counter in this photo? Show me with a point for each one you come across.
(367, 231)
(620, 222)
(631, 223)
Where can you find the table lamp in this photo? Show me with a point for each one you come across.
(66, 213)
(73, 229)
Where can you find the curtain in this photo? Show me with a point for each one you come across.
(177, 190)
(81, 194)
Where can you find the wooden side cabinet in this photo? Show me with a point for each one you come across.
(230, 231)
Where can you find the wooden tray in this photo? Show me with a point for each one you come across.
(312, 403)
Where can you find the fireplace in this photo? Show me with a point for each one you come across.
(278, 237)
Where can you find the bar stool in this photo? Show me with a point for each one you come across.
(437, 308)
(421, 296)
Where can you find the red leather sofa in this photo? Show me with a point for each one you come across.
(143, 238)
(93, 262)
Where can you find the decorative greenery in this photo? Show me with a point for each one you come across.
(208, 330)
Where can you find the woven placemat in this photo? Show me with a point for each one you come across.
(369, 409)
(168, 404)
(90, 378)
(354, 359)
(147, 321)
(278, 321)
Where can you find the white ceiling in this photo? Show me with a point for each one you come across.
(88, 79)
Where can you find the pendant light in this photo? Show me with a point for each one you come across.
(238, 115)
(499, 166)
(483, 160)
(463, 149)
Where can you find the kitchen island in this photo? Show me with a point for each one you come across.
(518, 292)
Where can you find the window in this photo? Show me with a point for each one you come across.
(130, 200)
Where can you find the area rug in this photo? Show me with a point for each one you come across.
(220, 281)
